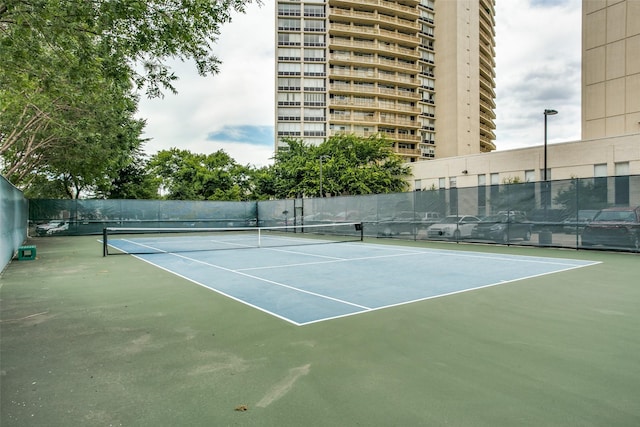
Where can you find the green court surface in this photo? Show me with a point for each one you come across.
(115, 341)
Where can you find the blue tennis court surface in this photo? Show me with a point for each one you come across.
(312, 283)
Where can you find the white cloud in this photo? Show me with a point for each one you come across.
(241, 94)
(538, 66)
(538, 57)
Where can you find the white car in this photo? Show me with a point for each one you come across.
(51, 228)
(454, 227)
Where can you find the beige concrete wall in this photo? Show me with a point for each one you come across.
(610, 68)
(458, 90)
(565, 160)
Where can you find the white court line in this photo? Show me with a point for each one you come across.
(498, 257)
(231, 244)
(144, 246)
(335, 260)
(273, 282)
(404, 252)
(305, 253)
(175, 273)
(501, 282)
(535, 260)
(262, 280)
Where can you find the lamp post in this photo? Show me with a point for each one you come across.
(545, 236)
(546, 113)
(321, 159)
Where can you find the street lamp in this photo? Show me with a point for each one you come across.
(546, 113)
(545, 236)
(321, 159)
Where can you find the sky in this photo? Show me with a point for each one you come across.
(538, 67)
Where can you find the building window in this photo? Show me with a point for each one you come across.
(289, 129)
(288, 113)
(286, 24)
(288, 83)
(542, 176)
(289, 98)
(311, 54)
(530, 175)
(314, 99)
(313, 25)
(482, 194)
(313, 10)
(288, 69)
(314, 39)
(621, 186)
(286, 9)
(314, 114)
(287, 39)
(600, 170)
(288, 54)
(314, 70)
(600, 182)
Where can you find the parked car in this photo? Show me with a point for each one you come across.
(427, 219)
(51, 228)
(547, 219)
(503, 228)
(346, 216)
(318, 218)
(403, 222)
(453, 227)
(614, 227)
(577, 223)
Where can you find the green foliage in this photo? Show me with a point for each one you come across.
(188, 176)
(506, 196)
(583, 194)
(351, 165)
(130, 178)
(511, 180)
(69, 77)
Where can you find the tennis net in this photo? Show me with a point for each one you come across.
(130, 240)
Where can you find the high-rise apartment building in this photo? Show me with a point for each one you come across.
(610, 68)
(420, 72)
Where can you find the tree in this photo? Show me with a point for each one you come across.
(70, 71)
(351, 165)
(130, 178)
(188, 176)
(583, 194)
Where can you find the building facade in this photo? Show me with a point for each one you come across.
(610, 144)
(600, 157)
(610, 68)
(420, 73)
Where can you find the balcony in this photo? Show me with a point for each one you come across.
(375, 46)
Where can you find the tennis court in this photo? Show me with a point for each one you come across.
(304, 280)
(98, 341)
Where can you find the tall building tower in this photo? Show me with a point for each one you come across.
(420, 73)
(610, 68)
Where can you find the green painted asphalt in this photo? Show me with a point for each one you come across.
(93, 341)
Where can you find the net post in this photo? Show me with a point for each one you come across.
(105, 250)
(259, 237)
(361, 230)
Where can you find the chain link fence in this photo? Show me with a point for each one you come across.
(13, 220)
(576, 213)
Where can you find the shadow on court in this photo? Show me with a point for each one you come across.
(87, 340)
